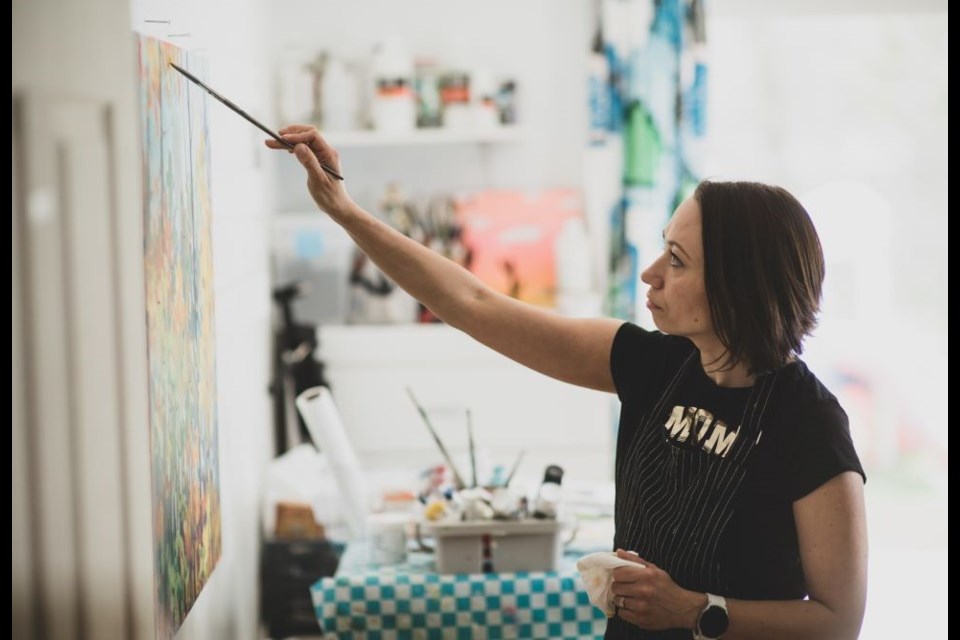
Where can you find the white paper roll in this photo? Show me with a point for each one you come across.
(323, 422)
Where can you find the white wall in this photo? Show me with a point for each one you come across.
(860, 136)
(513, 408)
(845, 104)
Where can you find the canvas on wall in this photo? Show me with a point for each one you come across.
(178, 264)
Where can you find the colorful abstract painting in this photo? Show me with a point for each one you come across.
(658, 89)
(511, 236)
(180, 331)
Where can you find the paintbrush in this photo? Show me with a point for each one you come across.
(457, 478)
(246, 116)
(516, 464)
(473, 451)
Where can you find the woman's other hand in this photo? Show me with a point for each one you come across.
(647, 596)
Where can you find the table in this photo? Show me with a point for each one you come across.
(410, 602)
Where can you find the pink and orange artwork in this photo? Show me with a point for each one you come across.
(178, 276)
(510, 235)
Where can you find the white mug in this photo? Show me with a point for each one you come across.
(387, 538)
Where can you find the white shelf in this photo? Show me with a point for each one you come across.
(418, 137)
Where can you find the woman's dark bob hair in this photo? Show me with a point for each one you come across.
(763, 271)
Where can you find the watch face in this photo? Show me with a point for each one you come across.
(714, 622)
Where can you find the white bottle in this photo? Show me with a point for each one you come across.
(550, 496)
(484, 88)
(339, 96)
(577, 294)
(393, 108)
(296, 76)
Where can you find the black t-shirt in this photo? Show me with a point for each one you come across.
(707, 476)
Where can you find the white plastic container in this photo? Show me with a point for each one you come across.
(522, 545)
(394, 106)
(295, 72)
(577, 296)
(387, 537)
(339, 96)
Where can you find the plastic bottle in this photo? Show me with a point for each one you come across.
(550, 494)
(393, 108)
(339, 96)
(456, 97)
(507, 102)
(576, 290)
(427, 88)
(297, 79)
(485, 112)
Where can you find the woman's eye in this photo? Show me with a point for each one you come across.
(675, 260)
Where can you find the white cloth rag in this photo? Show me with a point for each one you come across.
(596, 569)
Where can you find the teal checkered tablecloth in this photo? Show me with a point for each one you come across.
(411, 601)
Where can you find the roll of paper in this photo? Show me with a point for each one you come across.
(326, 428)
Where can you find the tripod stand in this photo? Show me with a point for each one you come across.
(295, 368)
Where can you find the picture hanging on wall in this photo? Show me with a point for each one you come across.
(511, 236)
(178, 265)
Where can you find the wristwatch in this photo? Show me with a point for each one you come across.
(713, 620)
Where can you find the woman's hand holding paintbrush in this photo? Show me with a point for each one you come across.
(319, 159)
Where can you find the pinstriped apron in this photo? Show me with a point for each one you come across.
(673, 503)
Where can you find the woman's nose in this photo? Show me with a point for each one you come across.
(651, 276)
